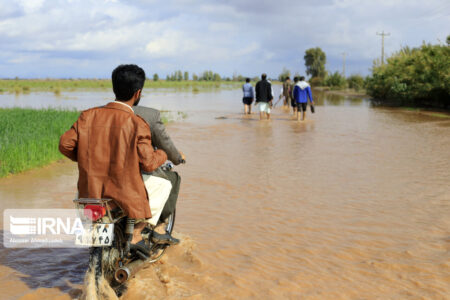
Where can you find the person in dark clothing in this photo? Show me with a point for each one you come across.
(264, 97)
(293, 102)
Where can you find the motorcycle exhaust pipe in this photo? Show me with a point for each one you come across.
(126, 272)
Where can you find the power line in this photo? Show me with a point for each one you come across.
(382, 34)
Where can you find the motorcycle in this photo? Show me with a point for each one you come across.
(111, 255)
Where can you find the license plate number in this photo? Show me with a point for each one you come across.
(96, 235)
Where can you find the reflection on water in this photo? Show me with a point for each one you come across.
(321, 98)
(353, 203)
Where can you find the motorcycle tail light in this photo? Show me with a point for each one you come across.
(94, 212)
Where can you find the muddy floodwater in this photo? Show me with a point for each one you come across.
(353, 203)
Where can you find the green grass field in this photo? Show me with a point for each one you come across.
(66, 85)
(29, 138)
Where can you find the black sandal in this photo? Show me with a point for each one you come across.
(164, 239)
(140, 246)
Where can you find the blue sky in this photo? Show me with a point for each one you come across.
(88, 38)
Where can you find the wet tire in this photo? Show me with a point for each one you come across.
(111, 255)
(103, 261)
(95, 266)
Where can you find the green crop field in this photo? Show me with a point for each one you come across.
(29, 138)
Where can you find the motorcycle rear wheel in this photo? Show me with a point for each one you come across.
(104, 261)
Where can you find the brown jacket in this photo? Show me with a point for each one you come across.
(112, 145)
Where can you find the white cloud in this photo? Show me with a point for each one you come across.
(171, 43)
(30, 6)
(225, 35)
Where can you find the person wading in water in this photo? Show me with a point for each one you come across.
(293, 102)
(248, 96)
(264, 97)
(302, 91)
(287, 92)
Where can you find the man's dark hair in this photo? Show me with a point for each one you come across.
(127, 80)
(302, 78)
(263, 76)
(296, 79)
(247, 79)
(287, 78)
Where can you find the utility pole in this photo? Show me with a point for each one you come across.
(382, 44)
(343, 64)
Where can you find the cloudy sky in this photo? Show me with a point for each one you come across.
(88, 38)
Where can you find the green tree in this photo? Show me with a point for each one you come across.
(335, 81)
(284, 74)
(448, 40)
(186, 75)
(207, 75)
(315, 60)
(355, 82)
(238, 77)
(155, 77)
(179, 75)
(194, 77)
(216, 77)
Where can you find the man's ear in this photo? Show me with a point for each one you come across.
(137, 94)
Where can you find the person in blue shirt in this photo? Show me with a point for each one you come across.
(302, 91)
(248, 96)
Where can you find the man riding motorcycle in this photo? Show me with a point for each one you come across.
(112, 145)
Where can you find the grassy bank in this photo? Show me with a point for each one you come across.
(29, 138)
(66, 85)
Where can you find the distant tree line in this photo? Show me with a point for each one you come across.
(206, 75)
(175, 76)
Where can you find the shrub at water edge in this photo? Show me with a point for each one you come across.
(414, 77)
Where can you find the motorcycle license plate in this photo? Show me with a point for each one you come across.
(96, 235)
